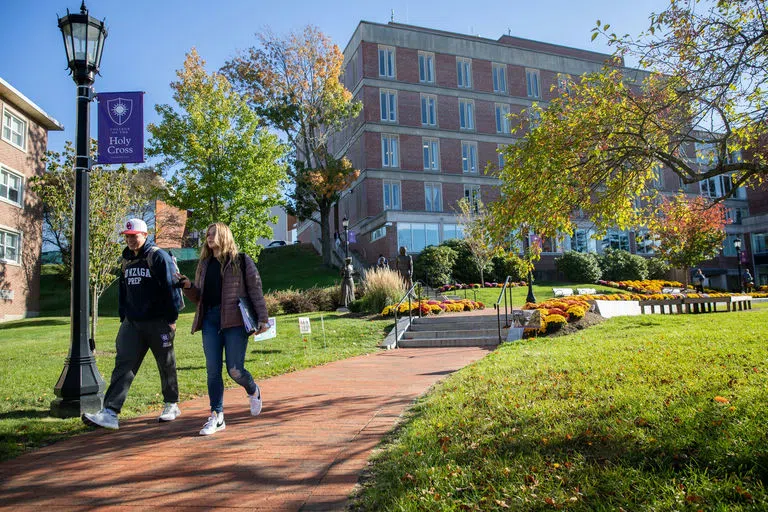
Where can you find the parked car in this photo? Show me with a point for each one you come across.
(276, 243)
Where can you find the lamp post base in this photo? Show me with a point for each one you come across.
(80, 389)
(531, 297)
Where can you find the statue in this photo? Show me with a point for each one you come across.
(347, 283)
(404, 266)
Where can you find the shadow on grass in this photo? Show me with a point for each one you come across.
(34, 322)
(24, 414)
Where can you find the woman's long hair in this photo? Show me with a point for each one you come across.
(227, 248)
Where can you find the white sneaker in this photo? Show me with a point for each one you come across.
(106, 418)
(255, 400)
(170, 412)
(214, 424)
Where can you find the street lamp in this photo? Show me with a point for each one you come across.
(737, 246)
(80, 387)
(345, 225)
(531, 297)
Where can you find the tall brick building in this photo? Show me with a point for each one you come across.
(434, 116)
(23, 141)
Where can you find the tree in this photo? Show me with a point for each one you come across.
(226, 168)
(689, 231)
(474, 220)
(700, 111)
(294, 83)
(112, 195)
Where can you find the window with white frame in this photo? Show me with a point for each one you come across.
(729, 249)
(719, 186)
(549, 245)
(532, 83)
(500, 150)
(534, 119)
(429, 110)
(472, 194)
(469, 157)
(466, 114)
(645, 243)
(464, 72)
(388, 104)
(433, 197)
(582, 241)
(392, 195)
(736, 215)
(431, 150)
(426, 67)
(378, 233)
(759, 243)
(615, 239)
(387, 61)
(389, 150)
(9, 246)
(10, 186)
(451, 231)
(415, 237)
(14, 129)
(499, 78)
(502, 118)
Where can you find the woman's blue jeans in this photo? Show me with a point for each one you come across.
(231, 341)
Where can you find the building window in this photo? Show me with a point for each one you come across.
(433, 197)
(392, 195)
(472, 194)
(534, 119)
(582, 241)
(426, 67)
(500, 150)
(429, 110)
(615, 239)
(729, 250)
(469, 157)
(719, 186)
(500, 78)
(389, 150)
(645, 243)
(759, 243)
(378, 233)
(453, 231)
(387, 61)
(532, 83)
(549, 245)
(10, 186)
(431, 149)
(14, 130)
(9, 246)
(415, 237)
(466, 114)
(564, 84)
(464, 72)
(388, 103)
(502, 119)
(736, 215)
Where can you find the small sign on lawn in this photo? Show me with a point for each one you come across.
(304, 327)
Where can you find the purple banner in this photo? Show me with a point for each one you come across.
(744, 257)
(121, 127)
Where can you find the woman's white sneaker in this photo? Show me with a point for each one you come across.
(214, 424)
(255, 400)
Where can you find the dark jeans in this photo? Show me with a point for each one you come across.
(133, 340)
(231, 341)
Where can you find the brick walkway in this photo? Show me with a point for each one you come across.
(304, 452)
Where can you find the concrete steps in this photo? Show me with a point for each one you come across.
(452, 331)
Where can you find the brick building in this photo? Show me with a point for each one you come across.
(23, 141)
(434, 116)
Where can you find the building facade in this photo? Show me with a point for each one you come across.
(434, 116)
(23, 142)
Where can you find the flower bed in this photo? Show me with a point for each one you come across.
(434, 307)
(460, 286)
(557, 312)
(647, 286)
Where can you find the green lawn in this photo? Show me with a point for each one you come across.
(33, 351)
(638, 413)
(542, 292)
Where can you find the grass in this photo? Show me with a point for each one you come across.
(33, 352)
(543, 291)
(638, 413)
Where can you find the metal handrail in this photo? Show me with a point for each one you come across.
(504, 289)
(410, 308)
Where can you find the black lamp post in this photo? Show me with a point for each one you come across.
(737, 246)
(531, 297)
(345, 225)
(80, 387)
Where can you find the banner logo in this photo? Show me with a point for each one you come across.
(120, 110)
(121, 127)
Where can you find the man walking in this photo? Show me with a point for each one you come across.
(149, 305)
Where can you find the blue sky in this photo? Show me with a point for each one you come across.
(148, 39)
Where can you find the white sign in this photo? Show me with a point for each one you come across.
(611, 308)
(269, 333)
(304, 327)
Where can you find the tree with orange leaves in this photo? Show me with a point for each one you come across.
(294, 84)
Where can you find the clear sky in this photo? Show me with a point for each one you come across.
(148, 39)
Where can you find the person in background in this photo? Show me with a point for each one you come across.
(382, 262)
(699, 277)
(148, 304)
(748, 281)
(224, 275)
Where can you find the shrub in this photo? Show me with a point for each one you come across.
(296, 301)
(618, 265)
(657, 268)
(435, 264)
(554, 322)
(464, 268)
(579, 267)
(274, 307)
(382, 287)
(322, 298)
(509, 264)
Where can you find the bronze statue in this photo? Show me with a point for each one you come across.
(404, 266)
(347, 283)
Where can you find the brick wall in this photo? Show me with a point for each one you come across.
(170, 226)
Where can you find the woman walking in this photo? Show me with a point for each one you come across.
(223, 276)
